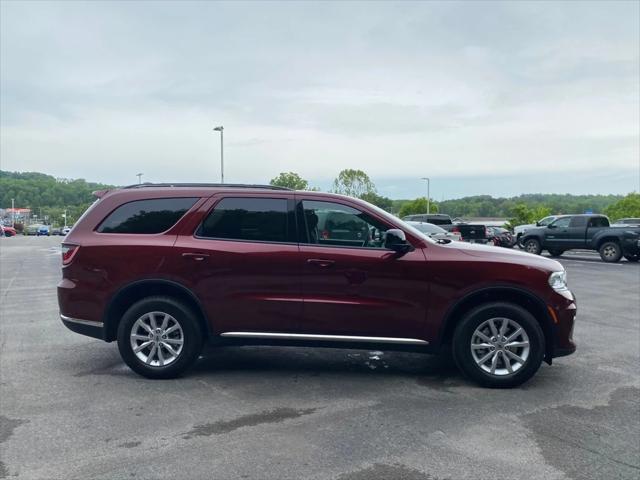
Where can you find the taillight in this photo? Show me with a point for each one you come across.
(457, 230)
(68, 252)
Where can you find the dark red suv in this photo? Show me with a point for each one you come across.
(162, 268)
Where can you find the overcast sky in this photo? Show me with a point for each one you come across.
(497, 98)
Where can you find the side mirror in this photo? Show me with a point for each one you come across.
(396, 240)
(538, 224)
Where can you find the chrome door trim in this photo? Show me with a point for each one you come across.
(330, 338)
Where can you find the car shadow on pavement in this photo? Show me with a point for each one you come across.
(428, 370)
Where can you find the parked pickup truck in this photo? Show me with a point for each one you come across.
(591, 232)
(468, 232)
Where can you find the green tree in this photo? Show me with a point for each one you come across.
(290, 180)
(419, 205)
(521, 214)
(628, 206)
(378, 200)
(354, 183)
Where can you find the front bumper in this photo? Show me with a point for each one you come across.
(84, 327)
(563, 316)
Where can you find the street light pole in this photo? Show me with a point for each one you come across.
(221, 130)
(428, 193)
(139, 175)
(13, 213)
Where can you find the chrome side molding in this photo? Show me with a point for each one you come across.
(329, 338)
(81, 322)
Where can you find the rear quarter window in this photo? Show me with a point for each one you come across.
(146, 216)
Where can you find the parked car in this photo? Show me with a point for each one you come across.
(590, 232)
(66, 230)
(435, 232)
(520, 230)
(9, 231)
(31, 229)
(627, 222)
(500, 237)
(433, 218)
(56, 231)
(163, 268)
(42, 230)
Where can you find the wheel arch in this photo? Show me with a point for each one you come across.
(607, 238)
(510, 294)
(132, 292)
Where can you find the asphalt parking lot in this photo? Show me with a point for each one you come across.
(70, 409)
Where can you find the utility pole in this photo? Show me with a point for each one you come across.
(428, 194)
(13, 213)
(139, 175)
(221, 130)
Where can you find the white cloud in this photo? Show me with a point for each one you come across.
(104, 90)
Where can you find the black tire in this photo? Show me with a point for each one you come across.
(610, 252)
(192, 337)
(532, 245)
(465, 332)
(632, 258)
(555, 253)
(519, 241)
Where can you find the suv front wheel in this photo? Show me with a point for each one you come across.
(498, 345)
(159, 337)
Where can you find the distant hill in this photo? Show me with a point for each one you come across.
(45, 194)
(38, 190)
(487, 206)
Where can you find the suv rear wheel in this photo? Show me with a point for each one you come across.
(159, 337)
(555, 252)
(498, 345)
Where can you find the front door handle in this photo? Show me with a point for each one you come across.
(198, 257)
(320, 262)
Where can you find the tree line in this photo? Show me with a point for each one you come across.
(526, 208)
(48, 196)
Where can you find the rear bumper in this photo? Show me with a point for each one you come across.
(84, 327)
(631, 245)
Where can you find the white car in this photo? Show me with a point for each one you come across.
(520, 230)
(66, 230)
(435, 232)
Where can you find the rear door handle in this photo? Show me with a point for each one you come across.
(198, 257)
(320, 262)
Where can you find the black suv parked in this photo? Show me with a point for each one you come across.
(590, 232)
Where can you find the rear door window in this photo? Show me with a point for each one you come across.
(578, 222)
(146, 216)
(251, 219)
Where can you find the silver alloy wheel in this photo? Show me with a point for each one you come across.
(609, 251)
(157, 339)
(500, 346)
(531, 247)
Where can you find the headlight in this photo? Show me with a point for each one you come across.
(558, 281)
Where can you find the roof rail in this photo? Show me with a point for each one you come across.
(221, 185)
